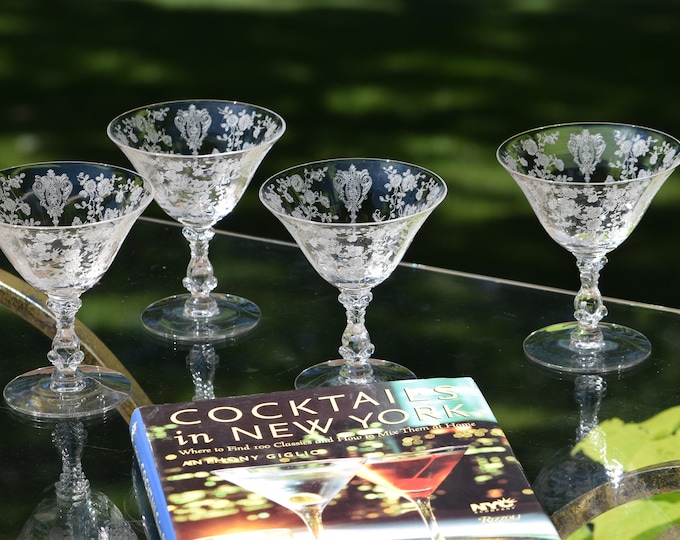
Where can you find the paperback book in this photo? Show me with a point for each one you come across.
(404, 460)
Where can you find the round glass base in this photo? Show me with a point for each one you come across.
(328, 374)
(550, 347)
(166, 319)
(30, 394)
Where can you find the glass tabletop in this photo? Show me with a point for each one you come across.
(436, 322)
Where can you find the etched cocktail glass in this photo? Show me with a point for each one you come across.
(305, 487)
(200, 157)
(589, 184)
(353, 219)
(415, 475)
(61, 225)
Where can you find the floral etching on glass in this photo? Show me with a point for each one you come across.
(200, 156)
(193, 125)
(577, 217)
(353, 219)
(53, 190)
(589, 185)
(84, 252)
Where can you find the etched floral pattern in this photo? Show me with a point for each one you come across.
(199, 156)
(352, 186)
(353, 219)
(590, 184)
(193, 125)
(196, 128)
(62, 243)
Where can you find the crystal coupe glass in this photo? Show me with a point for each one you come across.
(200, 157)
(353, 219)
(61, 225)
(589, 184)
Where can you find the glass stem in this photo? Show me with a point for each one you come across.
(69, 439)
(311, 515)
(65, 355)
(200, 280)
(588, 306)
(425, 509)
(356, 346)
(202, 362)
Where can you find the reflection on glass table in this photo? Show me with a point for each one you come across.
(75, 511)
(459, 325)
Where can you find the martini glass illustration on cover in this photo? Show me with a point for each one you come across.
(589, 184)
(416, 476)
(353, 219)
(61, 226)
(200, 157)
(304, 487)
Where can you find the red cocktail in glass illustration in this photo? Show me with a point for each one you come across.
(415, 476)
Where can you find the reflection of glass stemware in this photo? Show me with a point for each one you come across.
(202, 362)
(568, 474)
(354, 219)
(200, 157)
(303, 487)
(61, 225)
(76, 511)
(415, 475)
(589, 390)
(589, 185)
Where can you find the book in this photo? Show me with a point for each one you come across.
(393, 461)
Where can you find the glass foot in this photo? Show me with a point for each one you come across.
(551, 347)
(166, 319)
(30, 394)
(328, 373)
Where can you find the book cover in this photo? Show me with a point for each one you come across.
(415, 459)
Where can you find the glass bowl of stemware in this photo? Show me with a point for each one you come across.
(353, 219)
(61, 226)
(589, 184)
(200, 156)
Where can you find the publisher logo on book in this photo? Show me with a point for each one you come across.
(497, 505)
